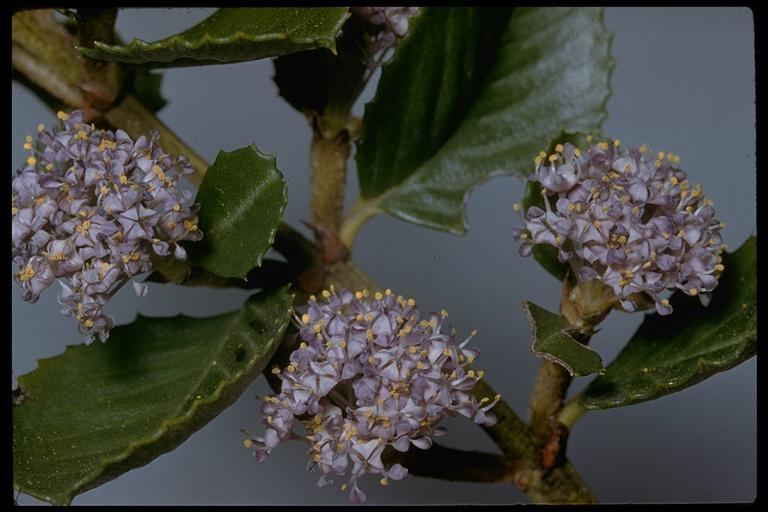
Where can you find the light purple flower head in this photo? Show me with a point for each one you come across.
(629, 219)
(392, 24)
(89, 207)
(369, 374)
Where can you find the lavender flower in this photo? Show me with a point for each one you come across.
(392, 24)
(90, 207)
(369, 374)
(629, 219)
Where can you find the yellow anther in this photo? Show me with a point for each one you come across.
(104, 190)
(603, 145)
(290, 368)
(444, 313)
(62, 115)
(40, 127)
(378, 296)
(617, 143)
(622, 239)
(31, 160)
(644, 148)
(559, 148)
(88, 323)
(647, 264)
(665, 235)
(571, 207)
(657, 163)
(597, 223)
(413, 349)
(661, 155)
(542, 154)
(537, 160)
(247, 443)
(358, 295)
(14, 210)
(524, 236)
(689, 209)
(387, 292)
(589, 138)
(480, 374)
(27, 146)
(552, 158)
(369, 334)
(693, 291)
(635, 210)
(318, 327)
(49, 167)
(577, 152)
(270, 419)
(344, 487)
(473, 333)
(517, 207)
(420, 365)
(189, 225)
(719, 267)
(325, 293)
(305, 318)
(605, 178)
(411, 302)
(81, 135)
(558, 239)
(384, 481)
(665, 302)
(123, 179)
(371, 360)
(27, 274)
(471, 374)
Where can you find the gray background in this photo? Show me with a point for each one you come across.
(684, 82)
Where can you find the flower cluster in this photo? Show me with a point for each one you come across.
(369, 374)
(90, 206)
(629, 219)
(392, 23)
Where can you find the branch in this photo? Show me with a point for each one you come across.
(455, 465)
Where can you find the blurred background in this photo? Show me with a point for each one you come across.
(683, 82)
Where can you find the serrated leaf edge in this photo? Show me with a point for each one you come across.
(91, 480)
(378, 203)
(124, 51)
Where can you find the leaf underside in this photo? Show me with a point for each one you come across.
(242, 198)
(95, 412)
(455, 106)
(552, 342)
(671, 353)
(233, 35)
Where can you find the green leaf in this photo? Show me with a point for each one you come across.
(95, 412)
(670, 353)
(317, 81)
(455, 107)
(234, 35)
(241, 198)
(552, 341)
(146, 87)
